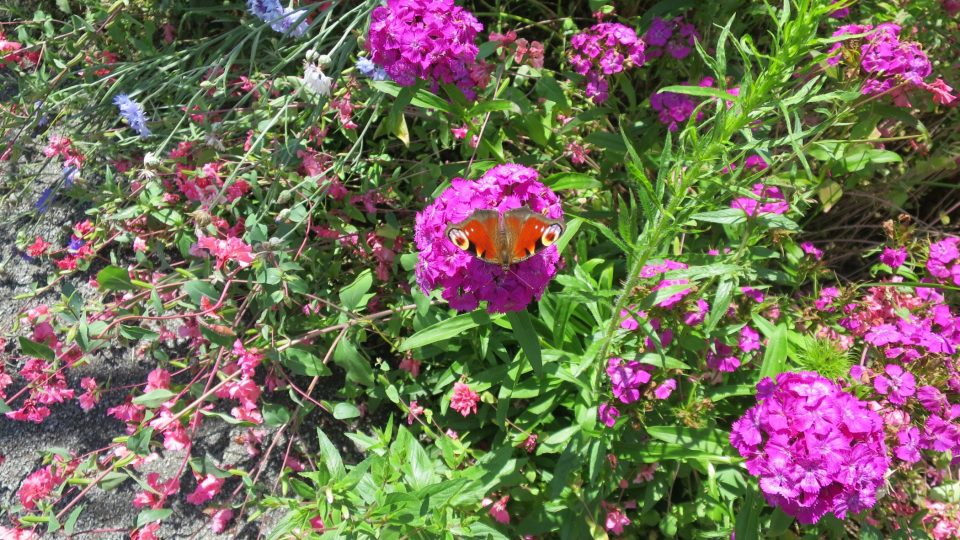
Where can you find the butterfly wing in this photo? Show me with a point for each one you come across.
(477, 235)
(529, 233)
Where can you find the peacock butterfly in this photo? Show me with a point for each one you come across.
(505, 239)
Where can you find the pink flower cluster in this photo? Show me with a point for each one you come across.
(815, 448)
(889, 62)
(433, 40)
(770, 201)
(466, 280)
(603, 50)
(943, 261)
(626, 380)
(679, 38)
(674, 109)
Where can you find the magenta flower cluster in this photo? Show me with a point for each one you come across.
(887, 62)
(815, 448)
(674, 109)
(603, 50)
(674, 35)
(770, 200)
(943, 261)
(627, 379)
(432, 40)
(466, 280)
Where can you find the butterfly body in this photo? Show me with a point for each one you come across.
(505, 239)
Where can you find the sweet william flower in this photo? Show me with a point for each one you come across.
(897, 384)
(816, 448)
(207, 488)
(433, 41)
(608, 414)
(602, 50)
(220, 519)
(464, 400)
(466, 281)
(664, 389)
(498, 509)
(893, 258)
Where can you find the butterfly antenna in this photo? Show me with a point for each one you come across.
(516, 275)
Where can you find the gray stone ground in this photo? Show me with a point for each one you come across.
(107, 515)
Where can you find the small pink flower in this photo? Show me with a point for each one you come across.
(206, 490)
(811, 250)
(459, 132)
(530, 443)
(608, 414)
(894, 258)
(411, 365)
(452, 434)
(220, 519)
(498, 510)
(664, 389)
(616, 521)
(464, 400)
(317, 523)
(415, 411)
(139, 244)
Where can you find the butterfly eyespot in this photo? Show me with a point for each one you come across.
(459, 239)
(551, 235)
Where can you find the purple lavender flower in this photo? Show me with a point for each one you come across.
(432, 40)
(281, 19)
(816, 448)
(466, 280)
(133, 113)
(603, 50)
(367, 68)
(626, 379)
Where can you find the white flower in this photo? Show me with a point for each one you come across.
(315, 81)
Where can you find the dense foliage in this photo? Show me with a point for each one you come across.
(740, 317)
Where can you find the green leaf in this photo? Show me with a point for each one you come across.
(421, 466)
(275, 415)
(352, 295)
(149, 516)
(71, 522)
(331, 456)
(713, 441)
(748, 518)
(571, 180)
(775, 356)
(702, 91)
(153, 398)
(529, 341)
(421, 98)
(947, 493)
(491, 106)
(36, 350)
(137, 332)
(303, 362)
(345, 411)
(197, 289)
(445, 329)
(727, 216)
(349, 358)
(720, 304)
(139, 442)
(113, 278)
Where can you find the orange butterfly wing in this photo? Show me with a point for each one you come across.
(525, 229)
(480, 231)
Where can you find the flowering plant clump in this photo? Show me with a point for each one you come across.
(429, 40)
(889, 62)
(816, 448)
(603, 50)
(676, 36)
(466, 280)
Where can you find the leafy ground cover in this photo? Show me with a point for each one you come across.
(485, 269)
